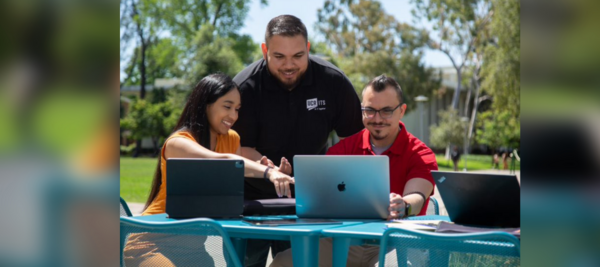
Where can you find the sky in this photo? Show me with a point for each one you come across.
(306, 10)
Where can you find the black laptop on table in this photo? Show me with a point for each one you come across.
(484, 200)
(211, 188)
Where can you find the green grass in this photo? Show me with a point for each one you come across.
(136, 173)
(474, 163)
(136, 178)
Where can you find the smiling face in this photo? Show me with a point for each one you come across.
(224, 112)
(287, 59)
(382, 129)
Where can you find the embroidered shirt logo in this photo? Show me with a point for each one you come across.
(313, 104)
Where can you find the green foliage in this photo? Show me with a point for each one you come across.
(162, 61)
(366, 42)
(451, 129)
(127, 150)
(202, 38)
(245, 48)
(213, 53)
(500, 126)
(158, 95)
(499, 129)
(148, 120)
(460, 27)
(502, 68)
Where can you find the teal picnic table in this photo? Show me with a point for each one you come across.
(304, 238)
(358, 234)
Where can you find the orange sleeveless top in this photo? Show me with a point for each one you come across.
(228, 143)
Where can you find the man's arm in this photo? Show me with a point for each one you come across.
(416, 201)
(412, 195)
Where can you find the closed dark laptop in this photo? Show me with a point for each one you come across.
(205, 188)
(476, 199)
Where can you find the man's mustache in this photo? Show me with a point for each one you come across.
(378, 124)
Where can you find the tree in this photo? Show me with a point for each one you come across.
(162, 61)
(458, 24)
(213, 53)
(451, 129)
(501, 78)
(138, 25)
(185, 19)
(185, 49)
(142, 21)
(499, 129)
(148, 120)
(502, 68)
(369, 42)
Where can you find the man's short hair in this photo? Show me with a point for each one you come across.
(285, 25)
(381, 82)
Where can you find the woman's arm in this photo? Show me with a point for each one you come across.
(186, 148)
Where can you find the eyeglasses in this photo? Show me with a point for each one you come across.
(385, 113)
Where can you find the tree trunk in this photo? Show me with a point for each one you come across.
(474, 113)
(457, 91)
(138, 148)
(468, 101)
(143, 71)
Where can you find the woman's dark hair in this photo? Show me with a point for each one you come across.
(193, 118)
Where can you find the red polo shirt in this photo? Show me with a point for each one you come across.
(409, 157)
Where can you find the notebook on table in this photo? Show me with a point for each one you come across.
(476, 199)
(342, 187)
(211, 188)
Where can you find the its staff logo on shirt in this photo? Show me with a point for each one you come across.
(314, 103)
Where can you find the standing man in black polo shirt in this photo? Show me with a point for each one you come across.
(291, 102)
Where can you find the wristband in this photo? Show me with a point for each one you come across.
(407, 209)
(418, 193)
(265, 174)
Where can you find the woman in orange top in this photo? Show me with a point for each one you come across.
(204, 131)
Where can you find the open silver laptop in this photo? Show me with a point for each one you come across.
(342, 187)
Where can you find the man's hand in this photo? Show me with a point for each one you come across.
(281, 182)
(397, 206)
(284, 166)
(266, 161)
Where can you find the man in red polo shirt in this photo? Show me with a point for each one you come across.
(411, 163)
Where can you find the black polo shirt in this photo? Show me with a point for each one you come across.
(282, 123)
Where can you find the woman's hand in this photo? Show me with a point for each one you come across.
(397, 207)
(282, 182)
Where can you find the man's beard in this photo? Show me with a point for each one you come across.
(376, 134)
(285, 85)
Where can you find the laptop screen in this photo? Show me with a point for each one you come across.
(205, 188)
(337, 187)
